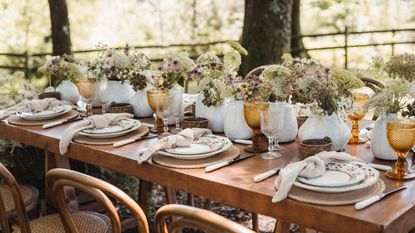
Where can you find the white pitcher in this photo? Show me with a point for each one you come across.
(215, 115)
(234, 123)
(290, 129)
(68, 91)
(379, 142)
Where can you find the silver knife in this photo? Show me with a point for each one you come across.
(52, 124)
(131, 140)
(362, 204)
(226, 163)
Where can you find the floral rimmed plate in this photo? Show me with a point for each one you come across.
(372, 176)
(114, 131)
(202, 145)
(226, 144)
(336, 175)
(46, 114)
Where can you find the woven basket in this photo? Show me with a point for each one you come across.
(311, 147)
(56, 95)
(194, 122)
(120, 108)
(301, 120)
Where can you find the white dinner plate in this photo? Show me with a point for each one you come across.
(336, 175)
(226, 145)
(202, 145)
(372, 176)
(120, 127)
(113, 135)
(46, 114)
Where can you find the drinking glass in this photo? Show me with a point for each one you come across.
(163, 111)
(86, 90)
(103, 95)
(401, 137)
(358, 112)
(271, 125)
(152, 95)
(252, 114)
(176, 105)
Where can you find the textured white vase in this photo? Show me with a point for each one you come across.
(140, 104)
(290, 129)
(326, 126)
(215, 115)
(69, 91)
(120, 92)
(379, 142)
(175, 88)
(234, 123)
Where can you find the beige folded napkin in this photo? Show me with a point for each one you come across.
(184, 138)
(34, 106)
(310, 167)
(94, 121)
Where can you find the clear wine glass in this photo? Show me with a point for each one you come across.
(103, 95)
(176, 105)
(163, 111)
(271, 124)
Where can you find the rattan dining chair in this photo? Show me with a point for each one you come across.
(15, 200)
(192, 217)
(58, 178)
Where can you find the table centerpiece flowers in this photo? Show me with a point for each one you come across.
(120, 67)
(217, 78)
(64, 72)
(326, 93)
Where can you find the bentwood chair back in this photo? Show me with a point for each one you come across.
(99, 189)
(192, 217)
(18, 203)
(257, 71)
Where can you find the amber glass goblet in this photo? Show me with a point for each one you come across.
(401, 137)
(152, 97)
(86, 89)
(359, 100)
(252, 114)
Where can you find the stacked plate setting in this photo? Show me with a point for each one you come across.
(51, 113)
(341, 177)
(202, 148)
(122, 128)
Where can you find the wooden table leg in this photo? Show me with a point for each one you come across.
(255, 225)
(190, 199)
(53, 160)
(206, 205)
(282, 227)
(170, 195)
(144, 195)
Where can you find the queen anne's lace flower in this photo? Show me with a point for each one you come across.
(232, 60)
(207, 58)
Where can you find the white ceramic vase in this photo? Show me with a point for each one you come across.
(215, 115)
(290, 129)
(119, 92)
(140, 104)
(234, 124)
(68, 91)
(379, 142)
(176, 88)
(326, 126)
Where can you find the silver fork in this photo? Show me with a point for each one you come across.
(271, 172)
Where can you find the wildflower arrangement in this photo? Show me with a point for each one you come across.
(409, 111)
(218, 79)
(14, 89)
(391, 99)
(305, 81)
(126, 64)
(255, 89)
(172, 69)
(401, 66)
(61, 68)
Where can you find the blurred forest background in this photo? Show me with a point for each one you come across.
(25, 28)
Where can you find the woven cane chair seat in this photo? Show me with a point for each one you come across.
(30, 198)
(87, 222)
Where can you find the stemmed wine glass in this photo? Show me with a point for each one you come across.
(86, 90)
(176, 109)
(152, 95)
(252, 114)
(162, 108)
(104, 95)
(359, 100)
(271, 126)
(401, 137)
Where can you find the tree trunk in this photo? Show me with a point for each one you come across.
(266, 32)
(61, 38)
(297, 42)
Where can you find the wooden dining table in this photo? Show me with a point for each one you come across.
(233, 185)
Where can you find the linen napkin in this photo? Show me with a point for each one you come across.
(94, 121)
(310, 167)
(184, 138)
(34, 106)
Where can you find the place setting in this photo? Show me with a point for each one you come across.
(49, 111)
